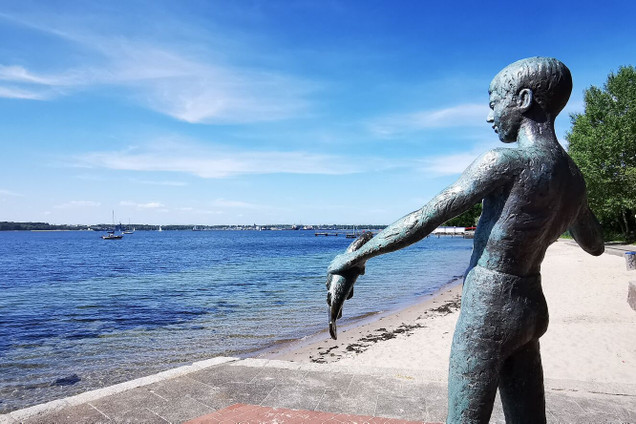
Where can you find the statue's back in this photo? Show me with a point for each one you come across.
(521, 219)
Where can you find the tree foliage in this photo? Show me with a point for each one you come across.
(602, 142)
(466, 219)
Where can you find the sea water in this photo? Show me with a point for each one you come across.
(78, 312)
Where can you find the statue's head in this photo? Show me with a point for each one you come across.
(537, 84)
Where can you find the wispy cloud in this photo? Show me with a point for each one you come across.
(19, 93)
(160, 183)
(4, 192)
(218, 162)
(78, 204)
(448, 164)
(454, 163)
(20, 74)
(192, 87)
(148, 205)
(465, 115)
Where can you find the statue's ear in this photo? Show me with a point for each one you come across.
(524, 99)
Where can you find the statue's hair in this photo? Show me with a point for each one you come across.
(548, 78)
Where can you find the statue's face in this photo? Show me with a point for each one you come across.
(504, 113)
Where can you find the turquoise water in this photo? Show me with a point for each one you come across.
(78, 312)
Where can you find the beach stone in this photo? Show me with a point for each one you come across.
(67, 381)
(630, 260)
(631, 294)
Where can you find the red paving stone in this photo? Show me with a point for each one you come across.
(253, 414)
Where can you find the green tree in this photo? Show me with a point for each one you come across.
(466, 219)
(602, 142)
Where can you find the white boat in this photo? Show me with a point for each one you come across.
(128, 229)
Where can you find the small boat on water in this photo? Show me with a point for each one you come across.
(111, 233)
(129, 229)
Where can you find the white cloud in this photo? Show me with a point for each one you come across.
(448, 164)
(78, 204)
(196, 88)
(20, 74)
(216, 162)
(160, 183)
(148, 205)
(17, 93)
(464, 115)
(455, 163)
(4, 192)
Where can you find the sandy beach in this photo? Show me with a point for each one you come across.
(591, 337)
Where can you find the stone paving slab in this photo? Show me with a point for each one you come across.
(202, 389)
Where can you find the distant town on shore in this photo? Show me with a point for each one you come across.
(44, 226)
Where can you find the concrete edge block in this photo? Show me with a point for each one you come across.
(312, 366)
(92, 395)
(213, 361)
(6, 419)
(345, 369)
(288, 365)
(585, 387)
(251, 362)
(41, 409)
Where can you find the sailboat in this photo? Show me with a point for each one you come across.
(111, 233)
(128, 229)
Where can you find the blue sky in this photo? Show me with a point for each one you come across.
(241, 112)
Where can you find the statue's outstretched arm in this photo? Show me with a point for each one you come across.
(587, 231)
(488, 172)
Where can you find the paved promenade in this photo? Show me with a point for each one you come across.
(199, 390)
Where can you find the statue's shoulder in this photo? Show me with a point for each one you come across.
(500, 157)
(496, 166)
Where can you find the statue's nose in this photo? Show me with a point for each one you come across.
(490, 117)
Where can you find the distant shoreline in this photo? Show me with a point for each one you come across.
(44, 226)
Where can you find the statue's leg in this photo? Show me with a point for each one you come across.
(521, 386)
(501, 319)
(473, 374)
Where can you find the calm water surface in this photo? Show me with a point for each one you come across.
(78, 312)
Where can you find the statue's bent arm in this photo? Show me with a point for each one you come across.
(587, 231)
(488, 172)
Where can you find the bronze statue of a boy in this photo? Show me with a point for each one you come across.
(531, 195)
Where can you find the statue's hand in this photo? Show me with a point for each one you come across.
(345, 263)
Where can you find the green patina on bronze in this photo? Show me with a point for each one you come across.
(531, 195)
